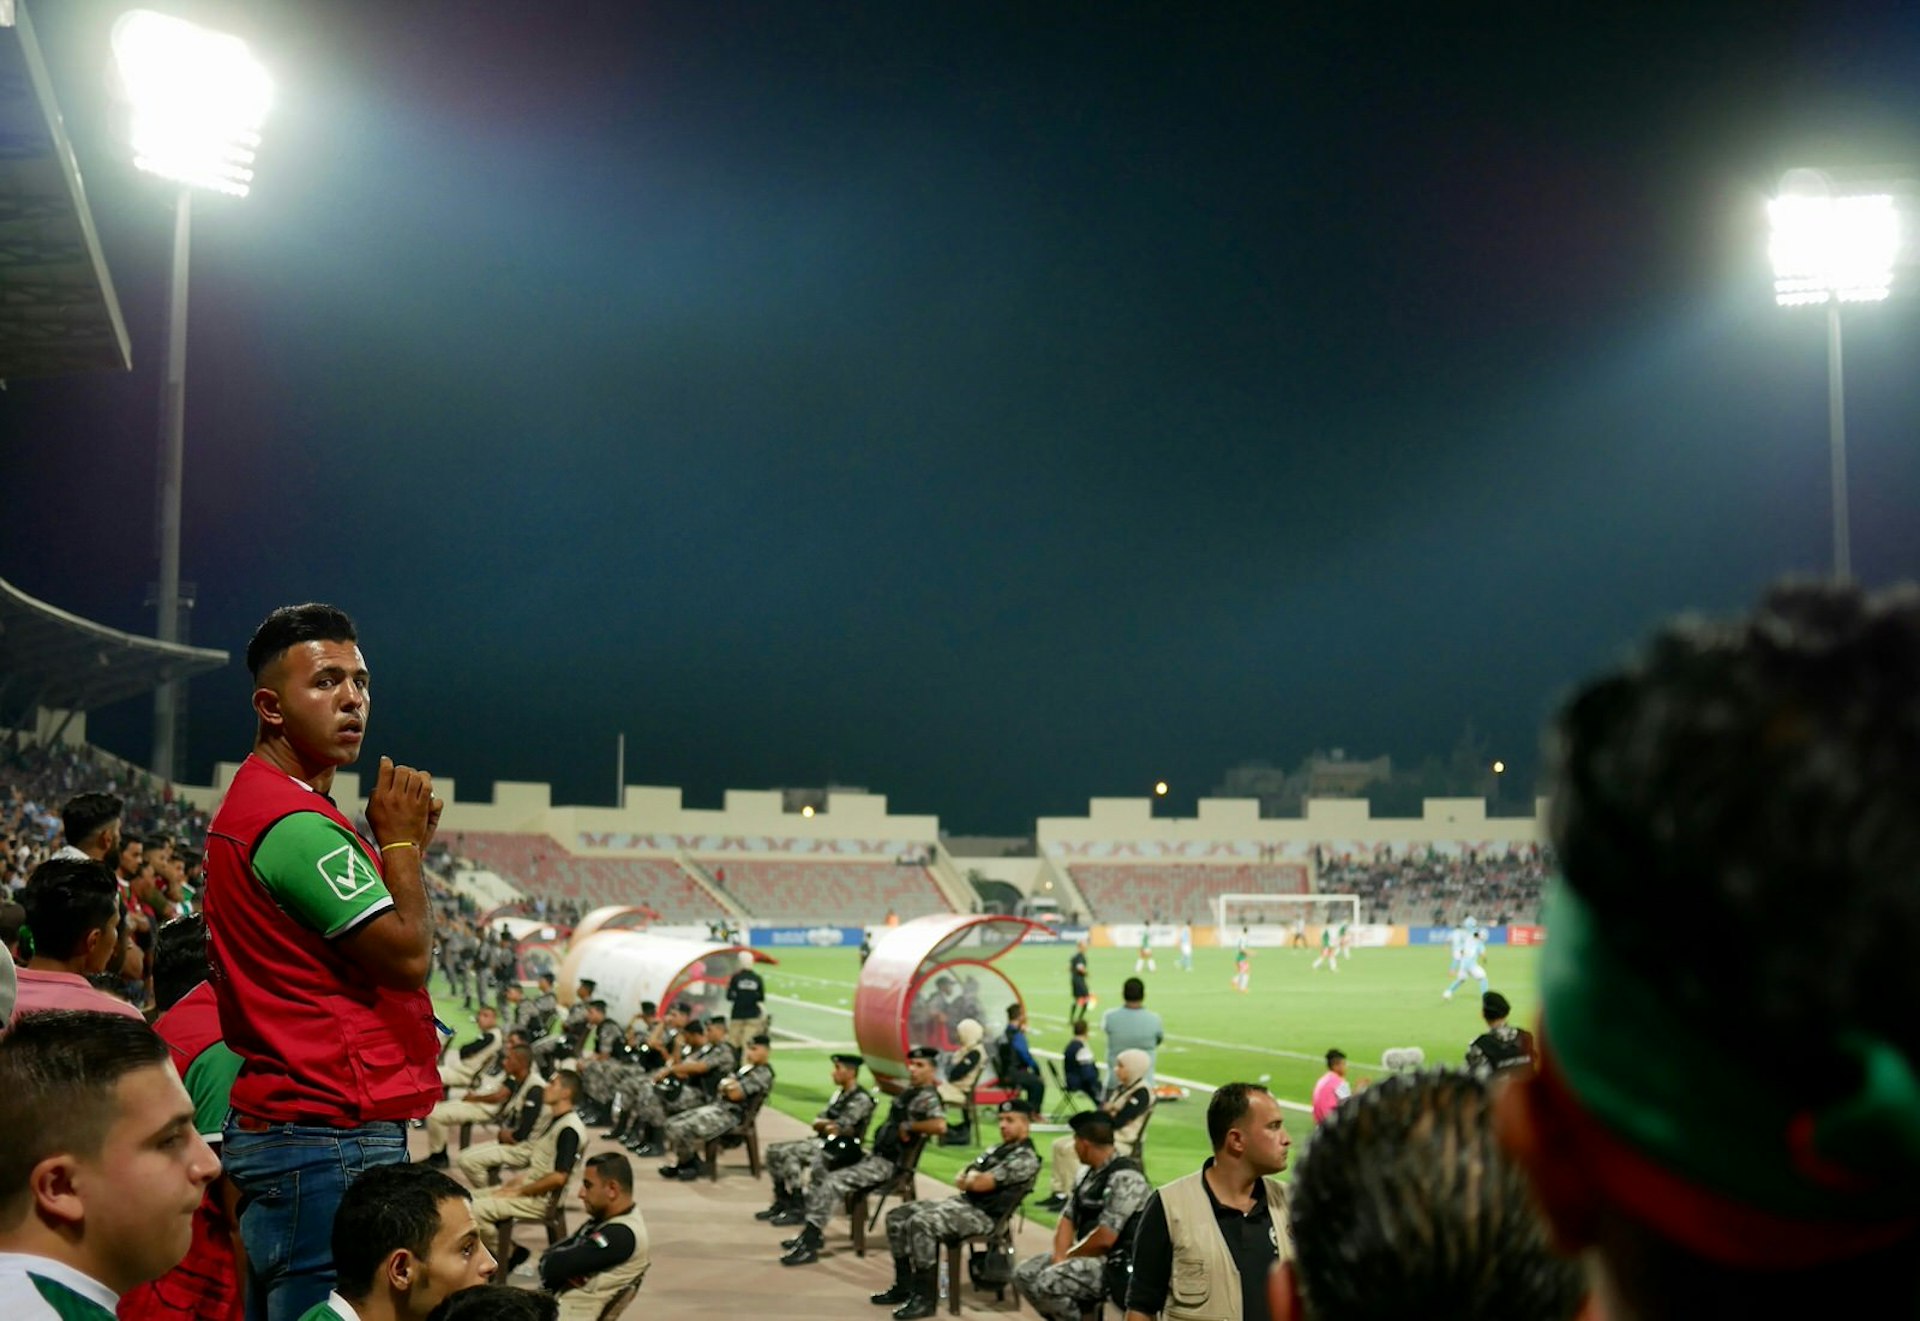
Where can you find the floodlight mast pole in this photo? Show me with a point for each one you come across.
(173, 449)
(1837, 431)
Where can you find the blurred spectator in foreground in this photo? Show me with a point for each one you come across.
(1736, 1131)
(1405, 1206)
(101, 1168)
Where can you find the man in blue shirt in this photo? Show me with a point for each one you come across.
(1015, 1062)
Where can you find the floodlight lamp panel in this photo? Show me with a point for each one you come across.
(1833, 248)
(199, 99)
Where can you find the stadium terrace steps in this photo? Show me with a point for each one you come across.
(541, 866)
(836, 893)
(1177, 892)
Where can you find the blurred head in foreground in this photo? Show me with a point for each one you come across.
(1405, 1206)
(1727, 1111)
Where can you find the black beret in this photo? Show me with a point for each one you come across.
(682, 1007)
(762, 1039)
(851, 1061)
(923, 1053)
(1017, 1106)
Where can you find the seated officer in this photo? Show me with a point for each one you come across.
(404, 1238)
(740, 1090)
(471, 1059)
(991, 1186)
(546, 1159)
(521, 1093)
(1093, 1239)
(1129, 1103)
(608, 1252)
(916, 1116)
(101, 1170)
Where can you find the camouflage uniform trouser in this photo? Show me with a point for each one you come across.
(794, 1164)
(917, 1229)
(599, 1079)
(643, 1102)
(1062, 1292)
(829, 1191)
(688, 1133)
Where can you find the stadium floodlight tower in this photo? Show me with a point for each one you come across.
(198, 99)
(1831, 247)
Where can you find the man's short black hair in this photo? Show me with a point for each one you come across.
(59, 1071)
(1133, 989)
(1759, 777)
(613, 1167)
(1334, 1057)
(1013, 1012)
(66, 898)
(159, 840)
(1494, 1006)
(86, 815)
(1228, 1107)
(385, 1209)
(1096, 1126)
(291, 625)
(568, 1079)
(179, 959)
(1404, 1198)
(496, 1302)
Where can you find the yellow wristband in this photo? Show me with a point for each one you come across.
(399, 844)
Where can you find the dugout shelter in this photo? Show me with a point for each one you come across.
(900, 994)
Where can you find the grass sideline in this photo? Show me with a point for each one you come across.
(1278, 1033)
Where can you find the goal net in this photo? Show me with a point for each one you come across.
(1270, 912)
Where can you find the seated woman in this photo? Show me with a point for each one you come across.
(962, 1071)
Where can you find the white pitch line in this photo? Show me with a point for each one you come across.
(1192, 1084)
(1274, 1051)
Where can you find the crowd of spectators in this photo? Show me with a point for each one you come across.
(37, 779)
(1495, 884)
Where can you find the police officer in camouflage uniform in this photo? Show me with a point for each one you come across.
(659, 1048)
(793, 1165)
(698, 1074)
(550, 1049)
(738, 1092)
(991, 1186)
(917, 1115)
(1091, 1244)
(537, 1010)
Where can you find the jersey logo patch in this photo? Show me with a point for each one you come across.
(348, 873)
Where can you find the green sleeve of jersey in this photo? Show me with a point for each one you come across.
(209, 1081)
(319, 873)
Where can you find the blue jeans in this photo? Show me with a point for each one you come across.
(291, 1179)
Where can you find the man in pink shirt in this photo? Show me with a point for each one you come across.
(73, 926)
(1332, 1088)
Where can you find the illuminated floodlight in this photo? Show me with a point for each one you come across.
(1160, 788)
(198, 98)
(1833, 249)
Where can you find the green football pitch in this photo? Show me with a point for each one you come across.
(1277, 1034)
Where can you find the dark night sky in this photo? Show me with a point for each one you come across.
(991, 405)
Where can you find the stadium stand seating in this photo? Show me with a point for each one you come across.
(1177, 892)
(1493, 885)
(541, 866)
(838, 893)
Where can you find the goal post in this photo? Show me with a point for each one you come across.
(1280, 911)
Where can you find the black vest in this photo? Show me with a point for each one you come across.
(1003, 1198)
(1089, 1197)
(838, 1106)
(886, 1143)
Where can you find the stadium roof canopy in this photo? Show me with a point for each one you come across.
(49, 658)
(57, 308)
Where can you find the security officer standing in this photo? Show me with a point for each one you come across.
(793, 1165)
(746, 1001)
(1093, 1241)
(739, 1092)
(991, 1186)
(917, 1115)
